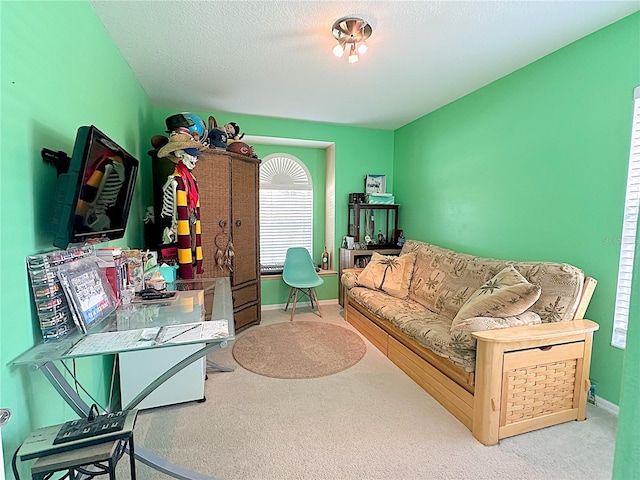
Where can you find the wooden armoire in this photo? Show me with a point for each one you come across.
(228, 188)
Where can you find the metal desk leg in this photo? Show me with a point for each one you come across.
(66, 391)
(214, 366)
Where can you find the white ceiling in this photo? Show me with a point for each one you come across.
(273, 57)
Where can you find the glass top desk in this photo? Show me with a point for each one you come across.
(145, 326)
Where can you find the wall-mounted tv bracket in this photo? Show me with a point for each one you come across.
(58, 159)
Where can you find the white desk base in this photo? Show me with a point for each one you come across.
(139, 368)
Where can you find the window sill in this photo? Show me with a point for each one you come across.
(278, 276)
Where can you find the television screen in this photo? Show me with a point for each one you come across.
(93, 197)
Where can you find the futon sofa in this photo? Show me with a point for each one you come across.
(502, 345)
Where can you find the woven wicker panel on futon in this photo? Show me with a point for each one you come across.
(538, 390)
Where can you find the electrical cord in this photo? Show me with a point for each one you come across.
(93, 413)
(80, 385)
(14, 465)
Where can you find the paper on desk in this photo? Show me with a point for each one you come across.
(191, 332)
(110, 342)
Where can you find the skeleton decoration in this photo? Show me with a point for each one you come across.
(97, 218)
(169, 209)
(102, 184)
(180, 203)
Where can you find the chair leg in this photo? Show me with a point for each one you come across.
(313, 294)
(311, 297)
(289, 298)
(295, 301)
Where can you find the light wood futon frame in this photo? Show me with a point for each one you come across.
(526, 378)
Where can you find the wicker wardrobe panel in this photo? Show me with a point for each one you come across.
(243, 203)
(213, 176)
(228, 187)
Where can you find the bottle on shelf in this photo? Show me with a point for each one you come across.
(325, 259)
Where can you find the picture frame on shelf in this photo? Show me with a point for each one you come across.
(375, 184)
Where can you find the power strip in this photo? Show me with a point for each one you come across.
(90, 427)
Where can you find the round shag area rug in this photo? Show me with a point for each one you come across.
(298, 349)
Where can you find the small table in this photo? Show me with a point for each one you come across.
(74, 455)
(44, 357)
(75, 460)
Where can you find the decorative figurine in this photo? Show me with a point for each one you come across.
(233, 132)
(217, 136)
(181, 205)
(190, 123)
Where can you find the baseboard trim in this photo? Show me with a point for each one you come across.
(606, 405)
(280, 306)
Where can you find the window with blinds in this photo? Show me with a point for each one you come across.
(629, 232)
(286, 208)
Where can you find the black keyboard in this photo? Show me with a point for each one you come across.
(153, 294)
(85, 428)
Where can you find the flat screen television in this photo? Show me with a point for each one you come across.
(93, 197)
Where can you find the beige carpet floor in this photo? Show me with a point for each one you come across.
(369, 421)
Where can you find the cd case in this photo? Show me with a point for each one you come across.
(88, 292)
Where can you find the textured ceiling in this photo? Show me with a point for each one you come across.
(273, 58)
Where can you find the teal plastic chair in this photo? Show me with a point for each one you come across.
(300, 274)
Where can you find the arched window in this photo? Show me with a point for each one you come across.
(286, 208)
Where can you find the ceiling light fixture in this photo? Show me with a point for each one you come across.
(352, 34)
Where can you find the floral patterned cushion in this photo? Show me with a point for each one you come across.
(464, 345)
(388, 273)
(505, 295)
(443, 280)
(430, 330)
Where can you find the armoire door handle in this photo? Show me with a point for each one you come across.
(238, 223)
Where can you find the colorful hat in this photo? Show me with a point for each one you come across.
(179, 141)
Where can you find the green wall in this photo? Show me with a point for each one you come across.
(276, 292)
(533, 167)
(60, 70)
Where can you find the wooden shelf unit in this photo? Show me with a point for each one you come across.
(371, 218)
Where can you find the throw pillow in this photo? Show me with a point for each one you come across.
(505, 295)
(461, 338)
(388, 274)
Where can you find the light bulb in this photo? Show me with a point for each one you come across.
(362, 48)
(338, 50)
(353, 55)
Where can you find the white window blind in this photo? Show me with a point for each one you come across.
(629, 232)
(286, 208)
